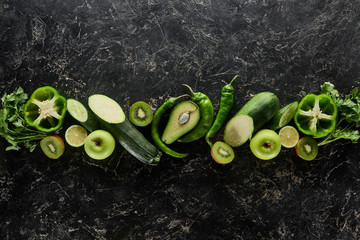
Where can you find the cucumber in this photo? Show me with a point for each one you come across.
(114, 120)
(262, 107)
(283, 116)
(79, 112)
(250, 118)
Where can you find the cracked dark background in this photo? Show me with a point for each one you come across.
(144, 50)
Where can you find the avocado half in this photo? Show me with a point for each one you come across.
(183, 118)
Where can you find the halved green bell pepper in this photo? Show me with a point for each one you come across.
(316, 115)
(45, 110)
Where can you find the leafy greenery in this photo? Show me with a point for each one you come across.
(348, 114)
(13, 126)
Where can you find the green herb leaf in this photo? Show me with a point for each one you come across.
(13, 127)
(30, 145)
(19, 123)
(355, 94)
(3, 99)
(12, 148)
(329, 89)
(350, 134)
(348, 111)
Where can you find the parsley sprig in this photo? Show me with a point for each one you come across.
(348, 114)
(13, 126)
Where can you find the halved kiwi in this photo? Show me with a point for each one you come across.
(52, 146)
(222, 153)
(141, 114)
(307, 148)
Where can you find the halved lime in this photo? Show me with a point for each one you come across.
(289, 136)
(75, 135)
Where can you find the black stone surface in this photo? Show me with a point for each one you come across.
(136, 50)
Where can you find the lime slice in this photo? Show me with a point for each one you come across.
(75, 135)
(289, 136)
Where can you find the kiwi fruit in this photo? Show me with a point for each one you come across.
(183, 118)
(52, 146)
(222, 153)
(307, 148)
(141, 114)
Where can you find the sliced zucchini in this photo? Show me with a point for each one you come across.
(106, 108)
(262, 107)
(238, 130)
(114, 120)
(79, 112)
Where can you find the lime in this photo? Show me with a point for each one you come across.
(75, 135)
(289, 136)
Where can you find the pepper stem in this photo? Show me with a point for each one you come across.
(191, 91)
(233, 79)
(181, 96)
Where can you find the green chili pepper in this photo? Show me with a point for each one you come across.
(226, 103)
(45, 110)
(206, 113)
(170, 103)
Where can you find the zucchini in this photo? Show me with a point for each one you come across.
(250, 118)
(283, 116)
(238, 130)
(262, 107)
(114, 120)
(79, 112)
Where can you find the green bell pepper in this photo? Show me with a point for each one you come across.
(316, 115)
(45, 110)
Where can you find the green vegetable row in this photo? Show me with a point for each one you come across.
(324, 118)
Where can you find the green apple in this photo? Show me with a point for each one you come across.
(99, 144)
(266, 144)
